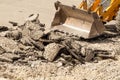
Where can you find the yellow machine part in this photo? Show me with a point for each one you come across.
(109, 13)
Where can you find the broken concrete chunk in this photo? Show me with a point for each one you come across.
(8, 44)
(56, 35)
(106, 56)
(3, 28)
(11, 56)
(18, 52)
(38, 45)
(32, 17)
(8, 34)
(15, 35)
(66, 57)
(77, 47)
(59, 64)
(51, 51)
(25, 32)
(36, 34)
(26, 41)
(89, 55)
(39, 54)
(21, 46)
(2, 50)
(13, 23)
(83, 51)
(4, 59)
(30, 42)
(32, 26)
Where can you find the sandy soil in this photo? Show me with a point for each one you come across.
(18, 10)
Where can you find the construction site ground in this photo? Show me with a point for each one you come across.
(24, 49)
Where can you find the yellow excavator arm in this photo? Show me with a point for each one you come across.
(111, 11)
(106, 15)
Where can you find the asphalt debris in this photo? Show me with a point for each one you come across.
(30, 42)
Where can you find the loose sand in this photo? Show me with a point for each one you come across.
(18, 10)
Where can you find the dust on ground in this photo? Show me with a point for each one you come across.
(28, 53)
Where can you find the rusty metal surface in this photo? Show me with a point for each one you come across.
(78, 22)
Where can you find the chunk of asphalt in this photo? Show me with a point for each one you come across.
(51, 51)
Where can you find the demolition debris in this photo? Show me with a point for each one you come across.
(30, 42)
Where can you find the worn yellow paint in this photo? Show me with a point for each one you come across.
(111, 11)
(83, 5)
(108, 14)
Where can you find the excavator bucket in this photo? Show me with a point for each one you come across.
(78, 22)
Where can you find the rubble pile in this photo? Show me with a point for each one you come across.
(30, 42)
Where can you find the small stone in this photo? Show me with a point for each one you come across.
(13, 23)
(40, 53)
(83, 52)
(59, 64)
(3, 28)
(32, 17)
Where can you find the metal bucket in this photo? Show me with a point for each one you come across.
(78, 22)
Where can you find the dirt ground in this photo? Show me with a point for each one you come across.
(39, 69)
(17, 10)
